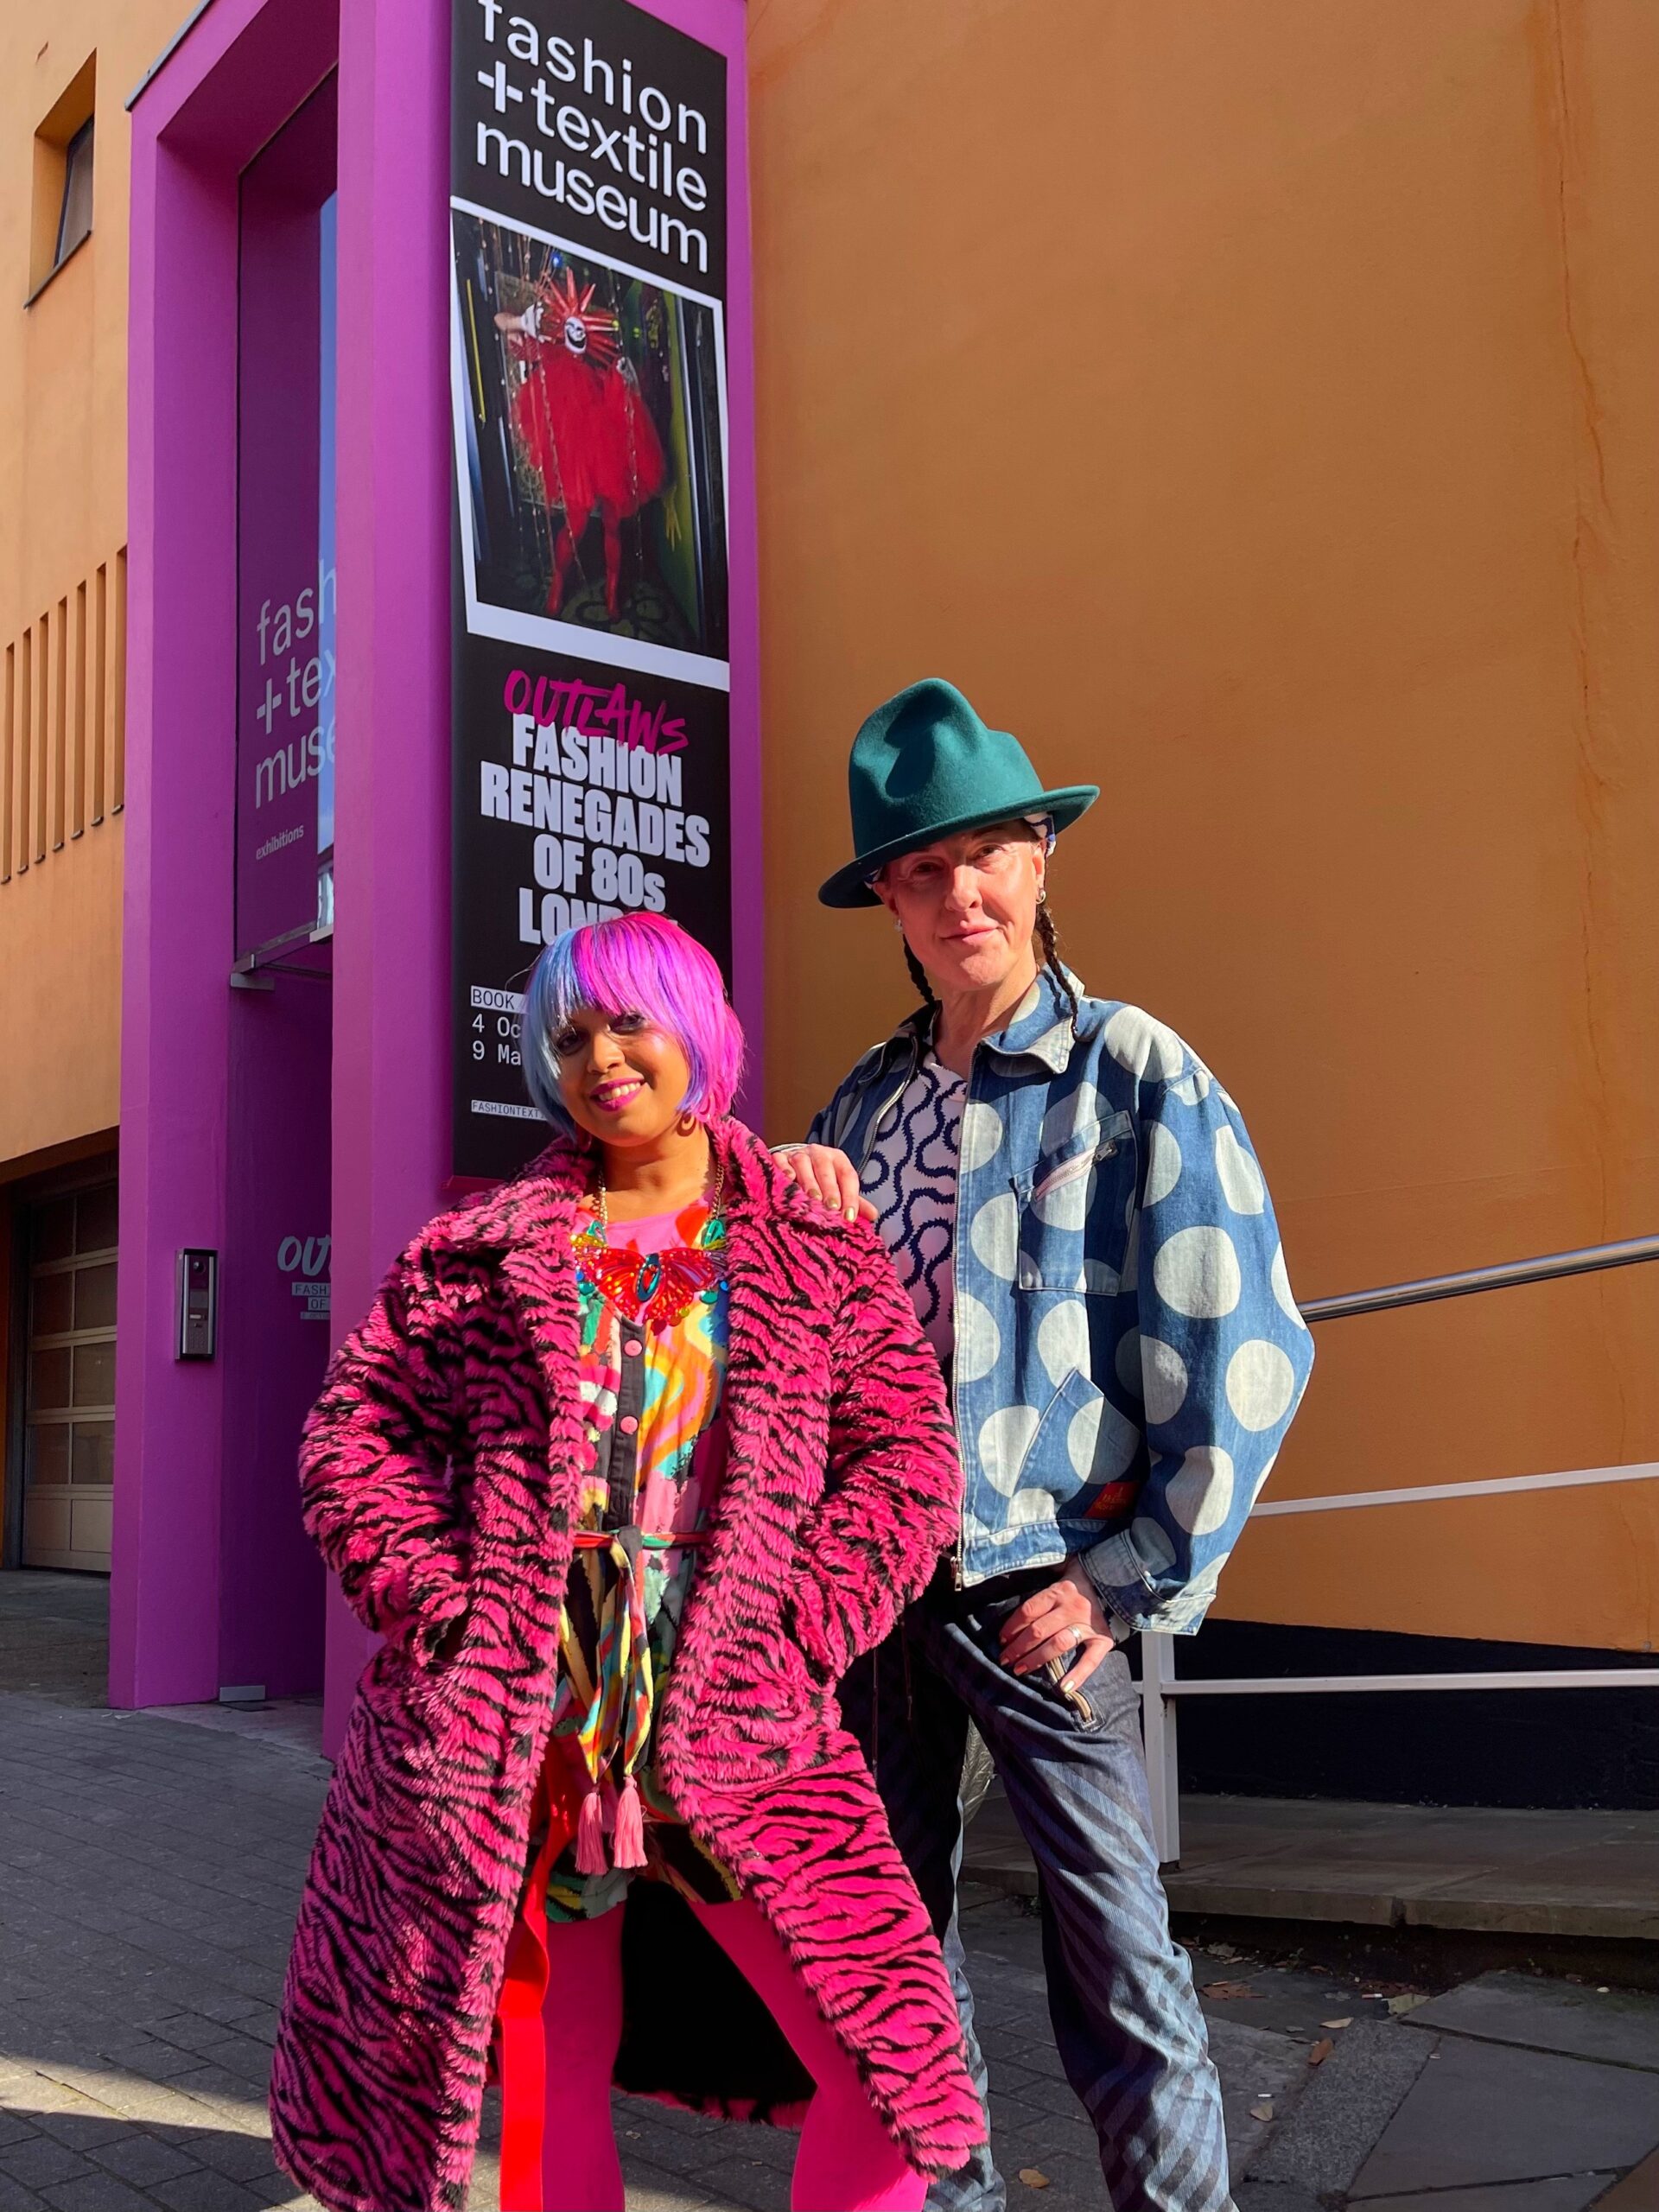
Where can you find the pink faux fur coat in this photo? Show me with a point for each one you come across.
(440, 1472)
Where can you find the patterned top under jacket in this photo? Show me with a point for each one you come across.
(1128, 1351)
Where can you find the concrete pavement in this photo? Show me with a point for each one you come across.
(1585, 1876)
(150, 1865)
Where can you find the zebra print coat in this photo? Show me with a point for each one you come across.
(439, 1471)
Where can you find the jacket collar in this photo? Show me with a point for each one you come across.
(1040, 1029)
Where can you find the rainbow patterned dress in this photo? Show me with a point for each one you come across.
(652, 1297)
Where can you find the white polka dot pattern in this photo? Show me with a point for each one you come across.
(1261, 1383)
(1101, 1442)
(1004, 1439)
(1144, 1046)
(1237, 1174)
(1197, 1273)
(1079, 1109)
(1279, 1276)
(979, 1340)
(981, 1136)
(994, 1236)
(1200, 1492)
(1164, 1378)
(1063, 1340)
(1127, 1363)
(1163, 1164)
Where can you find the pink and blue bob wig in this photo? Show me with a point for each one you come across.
(633, 963)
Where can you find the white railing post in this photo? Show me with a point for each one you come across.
(1158, 1739)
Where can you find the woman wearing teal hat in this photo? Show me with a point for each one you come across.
(1074, 1205)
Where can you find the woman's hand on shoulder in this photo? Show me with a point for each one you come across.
(828, 1176)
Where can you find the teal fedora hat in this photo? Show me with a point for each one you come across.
(924, 766)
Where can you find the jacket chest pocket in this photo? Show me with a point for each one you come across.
(1076, 1207)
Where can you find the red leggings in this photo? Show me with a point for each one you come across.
(846, 2162)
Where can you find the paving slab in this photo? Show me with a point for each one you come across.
(1344, 2108)
(1273, 2197)
(1256, 2066)
(1481, 2114)
(1564, 2193)
(1577, 2021)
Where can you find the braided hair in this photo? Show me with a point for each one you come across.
(1048, 938)
(1048, 944)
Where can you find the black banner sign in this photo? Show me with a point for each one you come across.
(592, 616)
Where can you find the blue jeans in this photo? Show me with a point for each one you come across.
(1127, 2023)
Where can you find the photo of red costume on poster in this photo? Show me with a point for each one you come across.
(580, 422)
(594, 441)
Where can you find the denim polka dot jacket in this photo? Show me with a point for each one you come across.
(1129, 1354)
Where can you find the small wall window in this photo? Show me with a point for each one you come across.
(75, 216)
(63, 178)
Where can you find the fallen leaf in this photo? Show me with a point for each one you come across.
(1222, 1951)
(1321, 2051)
(1408, 2001)
(1348, 2023)
(1034, 2177)
(1228, 1992)
(1262, 2109)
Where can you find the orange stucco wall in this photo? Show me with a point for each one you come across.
(63, 370)
(1255, 409)
(63, 498)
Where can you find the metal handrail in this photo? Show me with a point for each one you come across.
(1159, 1685)
(1591, 1260)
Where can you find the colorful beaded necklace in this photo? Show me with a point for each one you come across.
(655, 1289)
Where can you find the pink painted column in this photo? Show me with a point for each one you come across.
(391, 794)
(175, 1040)
(244, 68)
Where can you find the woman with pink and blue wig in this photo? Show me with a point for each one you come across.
(632, 1458)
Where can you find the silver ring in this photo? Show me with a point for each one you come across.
(1077, 1632)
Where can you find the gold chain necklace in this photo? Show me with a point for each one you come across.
(602, 1220)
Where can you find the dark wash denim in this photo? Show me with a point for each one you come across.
(1126, 2022)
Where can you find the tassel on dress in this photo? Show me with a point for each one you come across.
(628, 1837)
(590, 1834)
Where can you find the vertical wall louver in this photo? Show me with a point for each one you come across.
(63, 720)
